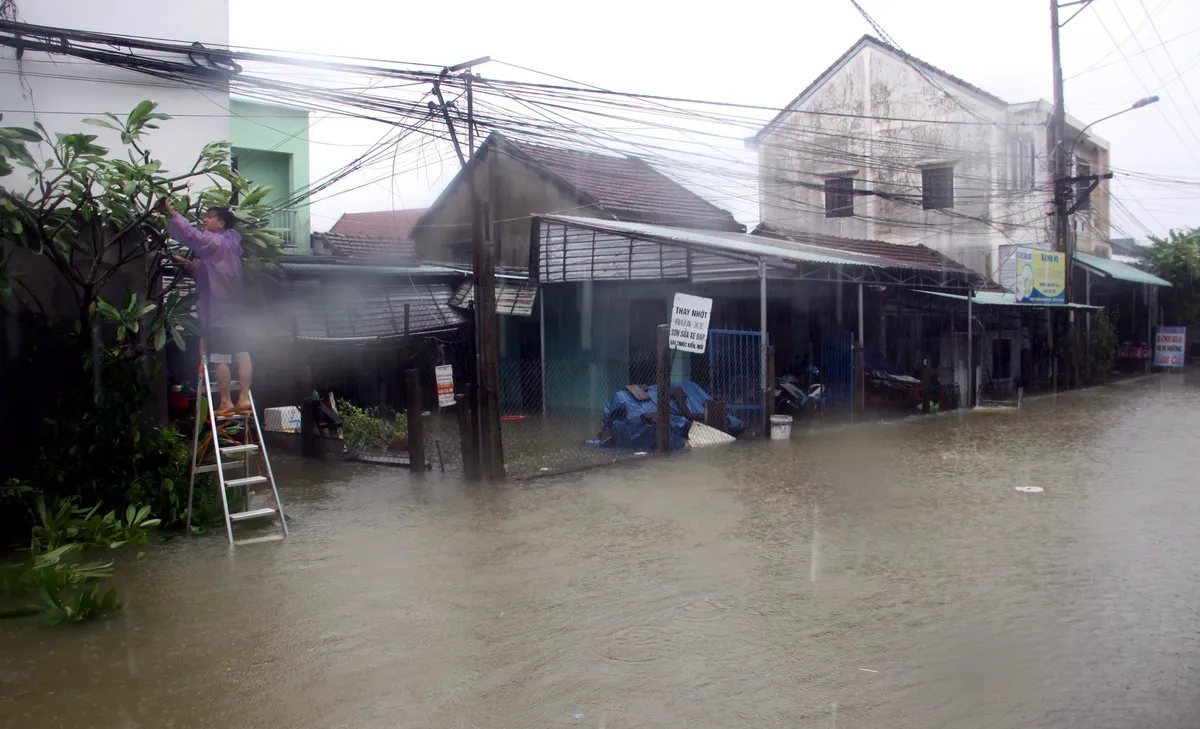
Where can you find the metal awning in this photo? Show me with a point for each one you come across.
(992, 298)
(1109, 268)
(590, 249)
(334, 311)
(511, 299)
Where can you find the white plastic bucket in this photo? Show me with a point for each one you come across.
(781, 427)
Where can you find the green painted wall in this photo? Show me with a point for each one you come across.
(271, 146)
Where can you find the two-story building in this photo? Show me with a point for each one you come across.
(885, 146)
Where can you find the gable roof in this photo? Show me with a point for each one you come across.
(863, 42)
(618, 187)
(385, 224)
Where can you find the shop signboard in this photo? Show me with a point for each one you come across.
(1169, 346)
(689, 323)
(1041, 277)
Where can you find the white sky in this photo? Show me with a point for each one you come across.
(761, 52)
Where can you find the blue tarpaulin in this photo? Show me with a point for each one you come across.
(624, 427)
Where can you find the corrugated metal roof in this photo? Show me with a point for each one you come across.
(512, 299)
(307, 265)
(1120, 271)
(740, 245)
(354, 311)
(993, 298)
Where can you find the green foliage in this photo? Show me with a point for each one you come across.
(1176, 258)
(89, 204)
(1102, 346)
(104, 452)
(67, 523)
(67, 591)
(365, 429)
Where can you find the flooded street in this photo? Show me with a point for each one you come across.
(881, 576)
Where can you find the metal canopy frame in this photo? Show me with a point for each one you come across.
(575, 250)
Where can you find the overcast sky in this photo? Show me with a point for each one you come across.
(761, 52)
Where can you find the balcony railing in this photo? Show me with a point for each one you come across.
(287, 226)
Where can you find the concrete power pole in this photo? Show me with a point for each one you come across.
(1058, 174)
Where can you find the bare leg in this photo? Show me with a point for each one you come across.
(224, 404)
(245, 374)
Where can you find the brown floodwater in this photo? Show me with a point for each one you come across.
(879, 576)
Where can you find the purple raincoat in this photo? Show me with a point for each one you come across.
(218, 271)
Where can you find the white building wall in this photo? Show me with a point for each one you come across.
(60, 91)
(1000, 200)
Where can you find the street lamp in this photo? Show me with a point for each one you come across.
(1136, 105)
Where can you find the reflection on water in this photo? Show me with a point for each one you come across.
(883, 576)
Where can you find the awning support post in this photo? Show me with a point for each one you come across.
(762, 331)
(542, 335)
(1087, 293)
(860, 373)
(970, 352)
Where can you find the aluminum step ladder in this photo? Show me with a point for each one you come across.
(233, 441)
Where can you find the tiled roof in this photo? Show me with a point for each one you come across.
(869, 39)
(625, 187)
(361, 246)
(917, 257)
(390, 224)
(607, 186)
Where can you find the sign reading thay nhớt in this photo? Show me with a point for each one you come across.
(1169, 346)
(689, 323)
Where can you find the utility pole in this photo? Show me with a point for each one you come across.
(483, 273)
(1058, 178)
(487, 410)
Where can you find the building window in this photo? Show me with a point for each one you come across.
(839, 197)
(937, 188)
(1022, 168)
(1083, 199)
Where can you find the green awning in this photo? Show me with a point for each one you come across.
(992, 298)
(1115, 269)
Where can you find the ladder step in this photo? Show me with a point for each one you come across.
(258, 540)
(210, 467)
(252, 514)
(235, 482)
(230, 450)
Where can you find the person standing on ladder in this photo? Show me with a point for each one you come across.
(218, 273)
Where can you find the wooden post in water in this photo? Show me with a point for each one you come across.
(416, 428)
(662, 421)
(467, 434)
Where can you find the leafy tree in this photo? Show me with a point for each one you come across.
(89, 214)
(1102, 347)
(1176, 258)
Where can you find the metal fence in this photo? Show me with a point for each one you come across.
(568, 414)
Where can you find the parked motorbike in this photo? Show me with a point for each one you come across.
(792, 398)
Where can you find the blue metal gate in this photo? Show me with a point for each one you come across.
(735, 372)
(837, 371)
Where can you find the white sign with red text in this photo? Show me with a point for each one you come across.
(689, 323)
(1169, 346)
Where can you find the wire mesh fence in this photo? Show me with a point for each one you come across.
(561, 415)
